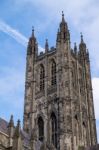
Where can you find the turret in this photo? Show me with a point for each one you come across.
(17, 129)
(75, 48)
(17, 141)
(82, 47)
(32, 53)
(32, 45)
(46, 46)
(63, 32)
(11, 130)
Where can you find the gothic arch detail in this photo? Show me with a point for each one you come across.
(54, 129)
(53, 72)
(84, 133)
(40, 129)
(42, 77)
(76, 129)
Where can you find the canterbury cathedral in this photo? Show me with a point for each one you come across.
(58, 102)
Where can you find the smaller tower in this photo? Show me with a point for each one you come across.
(82, 48)
(75, 48)
(63, 33)
(46, 46)
(17, 142)
(11, 131)
(32, 44)
(32, 52)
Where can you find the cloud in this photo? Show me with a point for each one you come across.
(81, 16)
(8, 78)
(13, 33)
(4, 27)
(11, 92)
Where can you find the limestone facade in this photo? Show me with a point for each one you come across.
(58, 105)
(58, 89)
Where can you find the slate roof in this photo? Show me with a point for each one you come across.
(26, 137)
(4, 129)
(96, 147)
(3, 126)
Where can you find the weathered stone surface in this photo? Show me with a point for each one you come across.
(58, 98)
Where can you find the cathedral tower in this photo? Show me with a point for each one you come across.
(58, 106)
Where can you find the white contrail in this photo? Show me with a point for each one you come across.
(15, 34)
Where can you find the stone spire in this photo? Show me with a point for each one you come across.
(11, 131)
(75, 48)
(33, 38)
(82, 41)
(46, 46)
(17, 129)
(82, 48)
(82, 45)
(17, 139)
(58, 36)
(32, 44)
(11, 122)
(63, 20)
(63, 24)
(32, 32)
(63, 32)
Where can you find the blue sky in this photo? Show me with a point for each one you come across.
(16, 20)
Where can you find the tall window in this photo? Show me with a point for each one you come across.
(54, 129)
(53, 73)
(76, 129)
(41, 129)
(42, 78)
(84, 133)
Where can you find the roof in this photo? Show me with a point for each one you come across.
(3, 126)
(96, 147)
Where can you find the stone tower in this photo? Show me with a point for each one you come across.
(58, 107)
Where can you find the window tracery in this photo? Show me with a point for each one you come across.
(54, 129)
(41, 129)
(53, 73)
(42, 78)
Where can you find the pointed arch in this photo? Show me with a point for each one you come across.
(42, 77)
(40, 129)
(54, 129)
(76, 129)
(53, 72)
(84, 133)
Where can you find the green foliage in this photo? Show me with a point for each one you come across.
(81, 148)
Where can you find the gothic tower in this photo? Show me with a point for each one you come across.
(58, 107)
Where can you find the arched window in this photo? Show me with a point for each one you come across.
(76, 129)
(54, 129)
(42, 78)
(41, 129)
(84, 133)
(53, 73)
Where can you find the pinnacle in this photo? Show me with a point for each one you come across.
(32, 31)
(63, 20)
(11, 122)
(82, 41)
